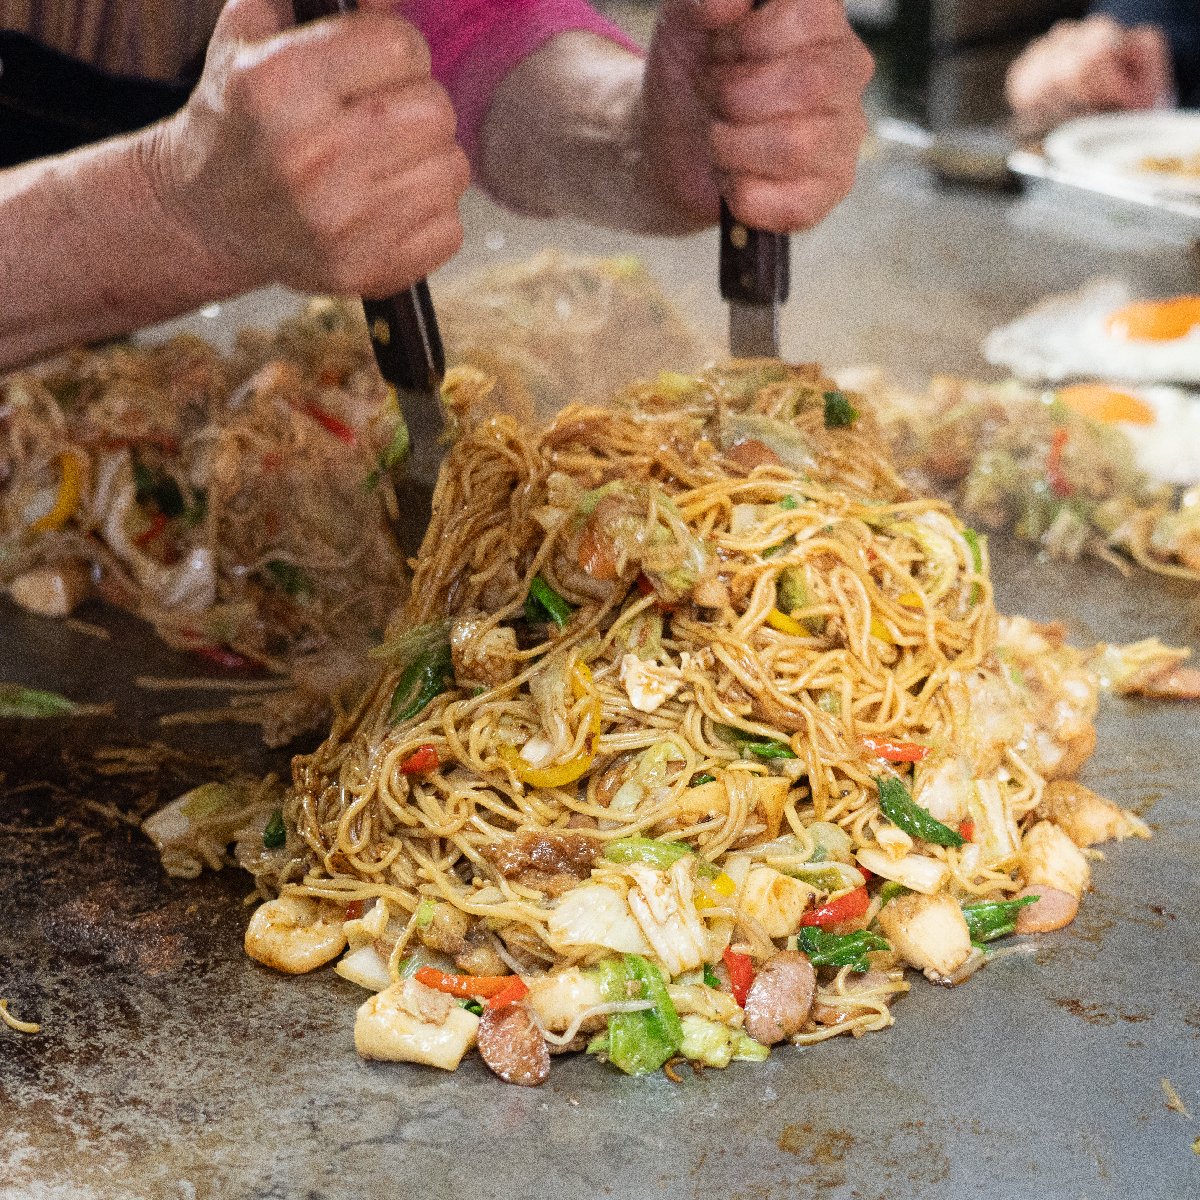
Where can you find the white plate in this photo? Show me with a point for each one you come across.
(1118, 143)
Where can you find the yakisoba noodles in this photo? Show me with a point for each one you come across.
(697, 728)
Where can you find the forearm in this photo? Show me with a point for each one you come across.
(88, 249)
(565, 136)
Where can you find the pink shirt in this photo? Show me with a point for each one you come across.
(475, 43)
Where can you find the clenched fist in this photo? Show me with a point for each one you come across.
(761, 106)
(323, 158)
(1094, 65)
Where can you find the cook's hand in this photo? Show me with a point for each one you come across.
(762, 107)
(1094, 65)
(322, 158)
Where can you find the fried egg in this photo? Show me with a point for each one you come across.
(1100, 332)
(1163, 423)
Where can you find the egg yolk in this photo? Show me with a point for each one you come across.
(1101, 403)
(1155, 320)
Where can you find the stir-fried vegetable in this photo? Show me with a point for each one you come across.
(844, 908)
(741, 974)
(660, 855)
(826, 949)
(839, 412)
(762, 747)
(463, 986)
(637, 1042)
(422, 759)
(994, 918)
(67, 500)
(275, 835)
(18, 701)
(428, 675)
(511, 994)
(894, 751)
(573, 768)
(544, 604)
(904, 812)
(290, 577)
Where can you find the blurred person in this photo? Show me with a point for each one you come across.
(1125, 55)
(332, 157)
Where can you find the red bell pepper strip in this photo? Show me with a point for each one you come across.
(422, 759)
(967, 830)
(222, 656)
(894, 751)
(328, 421)
(157, 525)
(463, 986)
(511, 994)
(647, 589)
(1054, 472)
(741, 974)
(844, 908)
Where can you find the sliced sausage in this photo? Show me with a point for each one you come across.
(1054, 910)
(750, 453)
(780, 997)
(513, 1046)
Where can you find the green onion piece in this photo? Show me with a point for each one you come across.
(994, 918)
(637, 1042)
(788, 503)
(827, 879)
(760, 746)
(707, 777)
(18, 701)
(290, 577)
(660, 855)
(839, 412)
(472, 1006)
(275, 835)
(423, 679)
(424, 914)
(976, 542)
(710, 980)
(826, 949)
(904, 812)
(544, 604)
(784, 547)
(891, 890)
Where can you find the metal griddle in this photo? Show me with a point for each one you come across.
(170, 1065)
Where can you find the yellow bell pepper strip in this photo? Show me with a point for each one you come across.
(785, 624)
(910, 600)
(67, 500)
(881, 631)
(573, 768)
(722, 885)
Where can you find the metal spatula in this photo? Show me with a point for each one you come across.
(754, 279)
(408, 349)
